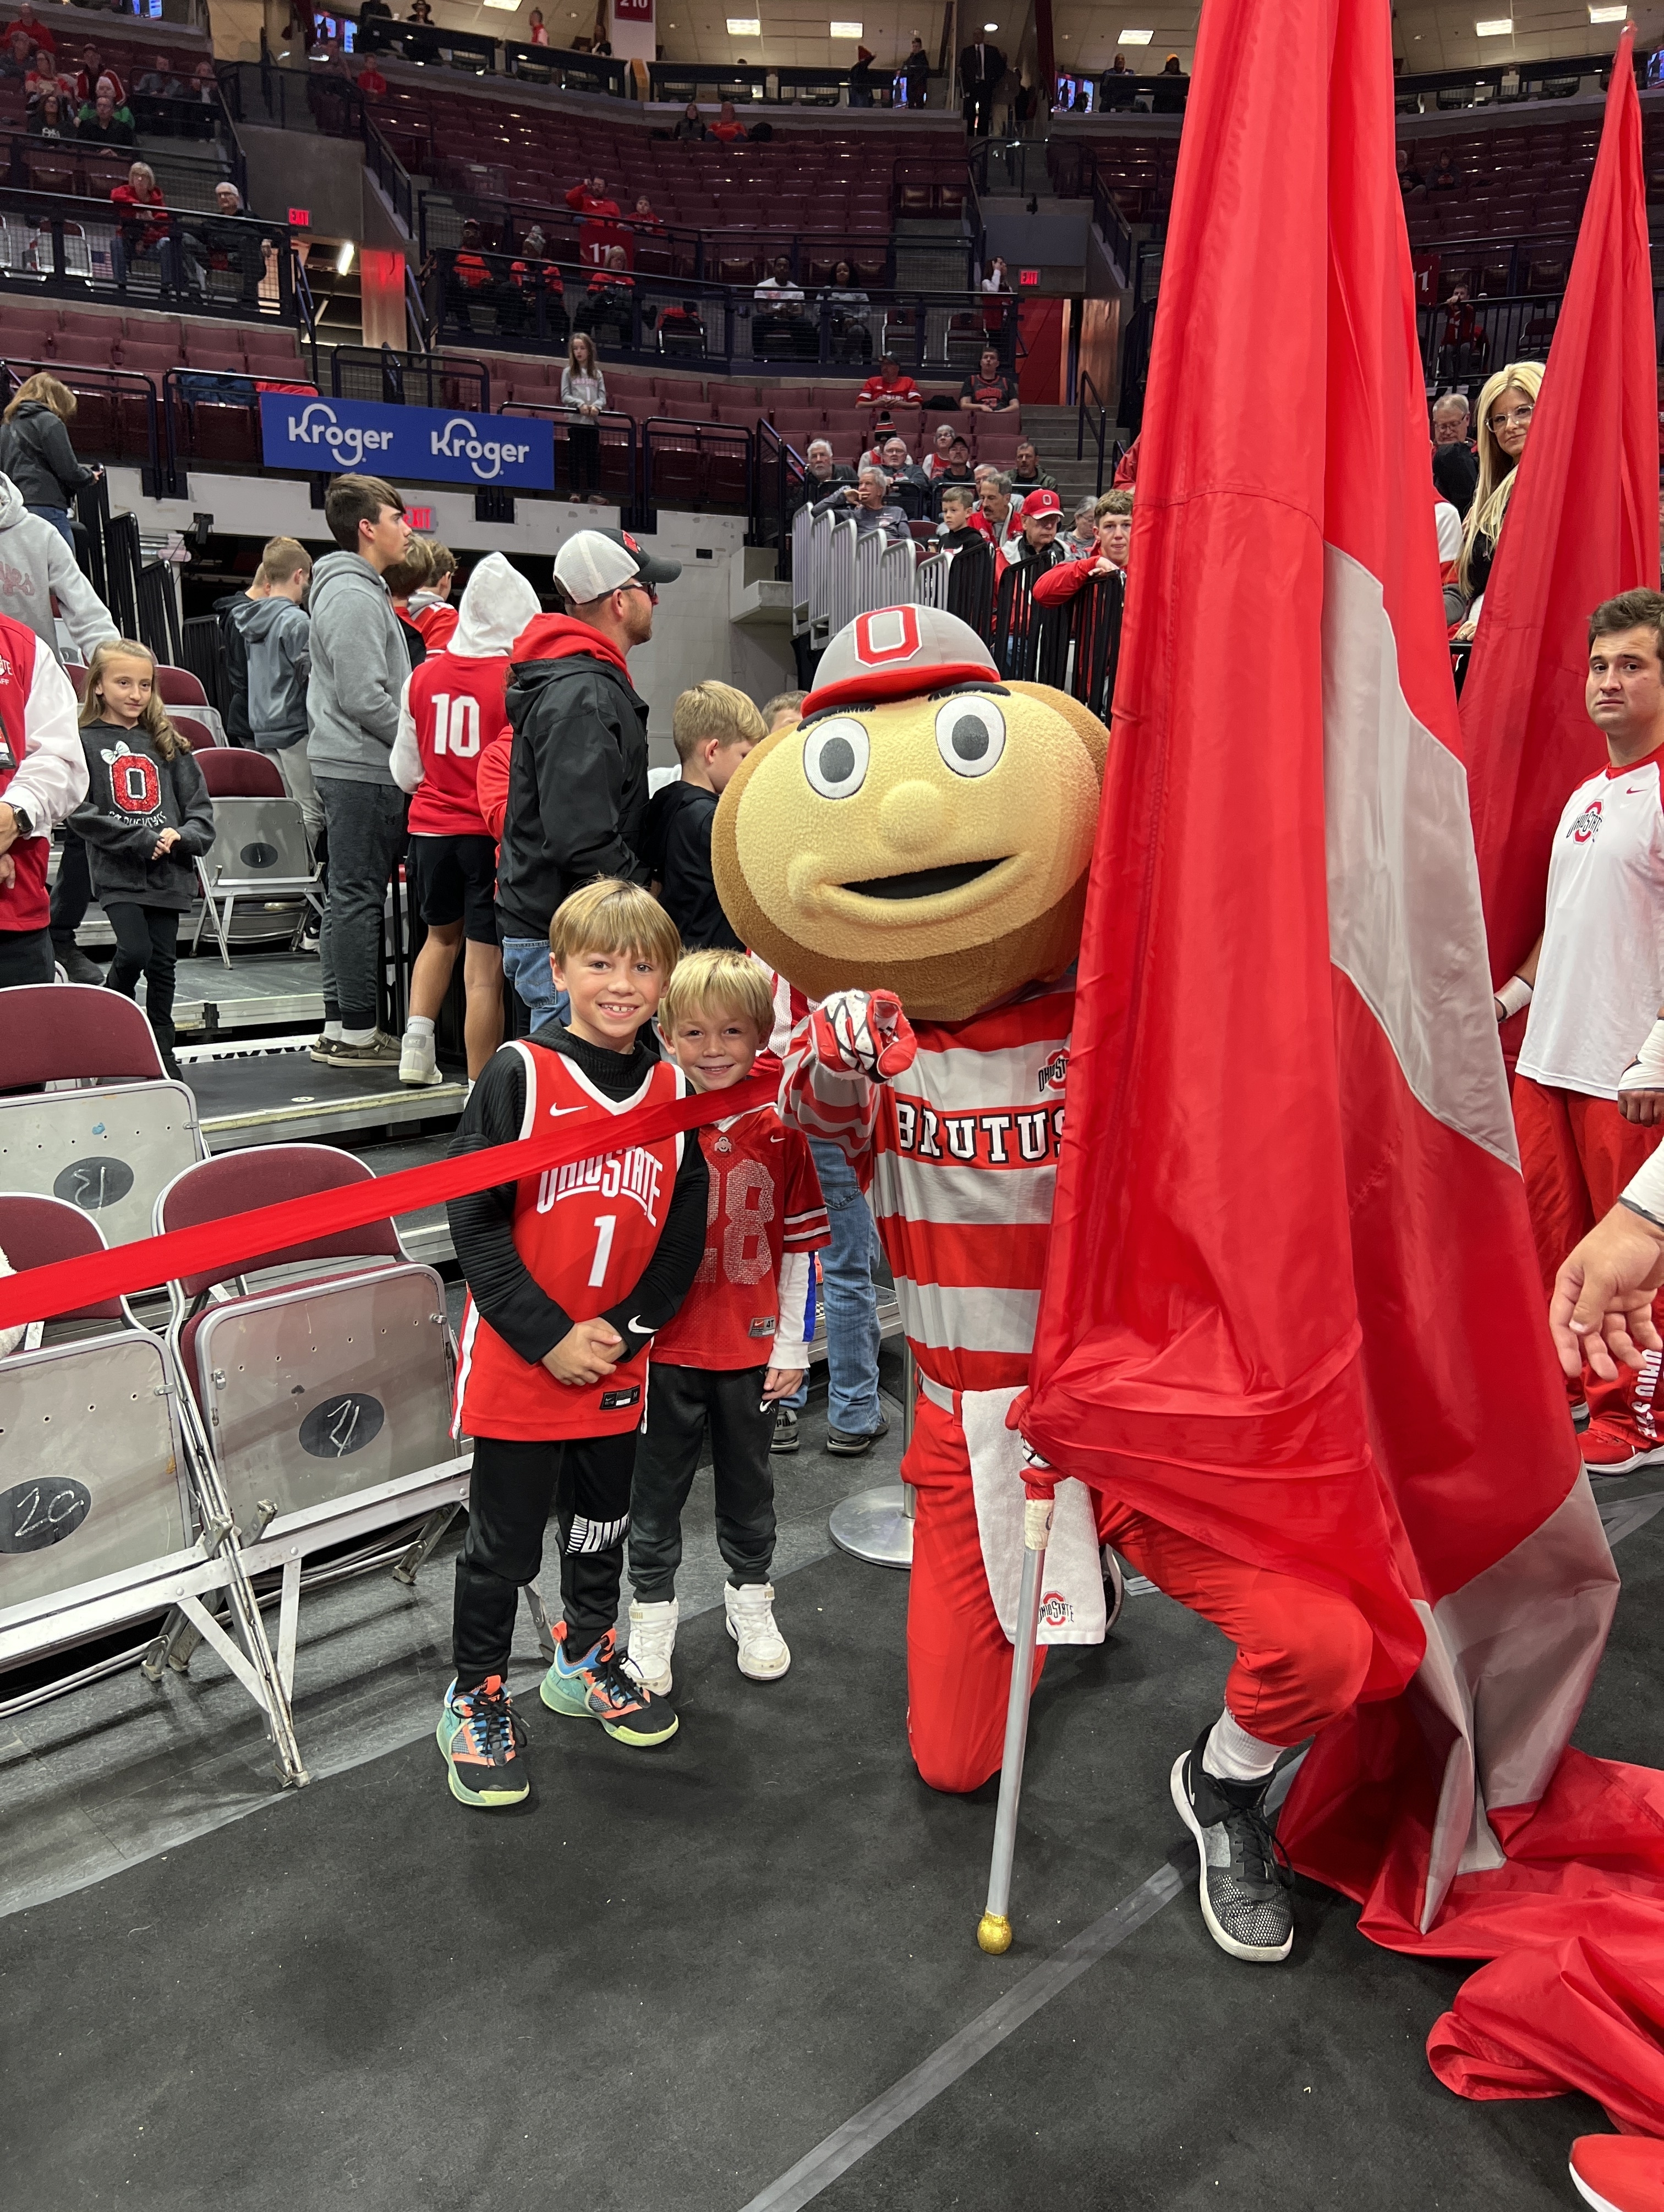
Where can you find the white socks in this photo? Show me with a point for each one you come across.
(418, 1025)
(1231, 1755)
(333, 1032)
(359, 1037)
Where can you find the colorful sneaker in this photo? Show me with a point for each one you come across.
(1617, 1447)
(600, 1686)
(482, 1739)
(1244, 1883)
(1619, 2174)
(419, 1064)
(652, 1640)
(764, 1654)
(785, 1431)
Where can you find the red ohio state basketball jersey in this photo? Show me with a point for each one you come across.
(457, 707)
(586, 1232)
(764, 1201)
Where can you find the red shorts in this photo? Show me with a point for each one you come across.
(1302, 1651)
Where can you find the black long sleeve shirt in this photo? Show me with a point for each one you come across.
(482, 1226)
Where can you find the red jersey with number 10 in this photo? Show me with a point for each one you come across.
(456, 705)
(586, 1232)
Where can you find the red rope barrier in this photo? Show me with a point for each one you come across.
(241, 1239)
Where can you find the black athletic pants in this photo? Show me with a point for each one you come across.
(25, 956)
(146, 944)
(680, 1400)
(73, 894)
(587, 1481)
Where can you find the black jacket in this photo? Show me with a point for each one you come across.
(676, 847)
(482, 1226)
(121, 823)
(1456, 473)
(577, 774)
(234, 705)
(35, 452)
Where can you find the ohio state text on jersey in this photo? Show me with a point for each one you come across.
(961, 1154)
(586, 1232)
(764, 1201)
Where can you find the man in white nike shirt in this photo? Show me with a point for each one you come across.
(1588, 1094)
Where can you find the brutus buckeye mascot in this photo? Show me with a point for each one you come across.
(912, 854)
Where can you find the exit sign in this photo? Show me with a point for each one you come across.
(419, 518)
(1029, 277)
(301, 217)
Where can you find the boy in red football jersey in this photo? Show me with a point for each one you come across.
(569, 1274)
(451, 712)
(735, 1349)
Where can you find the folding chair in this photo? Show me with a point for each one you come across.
(109, 1520)
(182, 687)
(261, 849)
(115, 1128)
(323, 1403)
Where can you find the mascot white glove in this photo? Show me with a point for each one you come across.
(863, 1033)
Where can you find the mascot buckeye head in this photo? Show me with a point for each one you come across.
(924, 828)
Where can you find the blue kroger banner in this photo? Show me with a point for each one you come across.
(423, 444)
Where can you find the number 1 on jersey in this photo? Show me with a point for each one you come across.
(605, 1224)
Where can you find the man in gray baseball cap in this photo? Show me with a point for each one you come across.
(577, 772)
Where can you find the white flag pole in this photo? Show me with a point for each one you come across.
(994, 1929)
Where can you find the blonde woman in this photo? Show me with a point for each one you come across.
(35, 452)
(583, 395)
(145, 819)
(1504, 423)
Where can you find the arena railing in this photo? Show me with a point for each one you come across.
(1464, 345)
(751, 85)
(414, 379)
(1507, 84)
(186, 180)
(1091, 419)
(620, 470)
(117, 418)
(56, 246)
(780, 475)
(696, 464)
(563, 70)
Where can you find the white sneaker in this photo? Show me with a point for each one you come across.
(652, 1640)
(765, 1655)
(418, 1061)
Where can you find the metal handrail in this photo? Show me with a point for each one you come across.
(1097, 424)
(92, 377)
(685, 427)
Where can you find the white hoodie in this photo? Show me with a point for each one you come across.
(496, 607)
(37, 567)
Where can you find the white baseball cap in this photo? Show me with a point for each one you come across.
(895, 653)
(593, 562)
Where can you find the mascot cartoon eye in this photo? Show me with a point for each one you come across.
(835, 755)
(970, 735)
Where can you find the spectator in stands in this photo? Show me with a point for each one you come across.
(959, 518)
(1412, 183)
(577, 774)
(598, 230)
(143, 228)
(607, 300)
(159, 82)
(991, 391)
(143, 864)
(909, 488)
(536, 32)
(1108, 556)
(847, 320)
(644, 223)
(915, 73)
(583, 395)
(532, 277)
(889, 388)
(958, 473)
(42, 780)
(691, 125)
(1083, 537)
(34, 30)
(44, 76)
(714, 727)
(940, 458)
(1000, 512)
(225, 241)
(996, 281)
(1444, 177)
(869, 501)
(779, 285)
(48, 118)
(1463, 345)
(1506, 406)
(276, 640)
(35, 452)
(1170, 91)
(359, 669)
(1039, 518)
(1027, 475)
(373, 16)
(469, 282)
(404, 577)
(1455, 464)
(981, 67)
(1120, 85)
(104, 125)
(19, 54)
(727, 126)
(431, 608)
(206, 85)
(861, 77)
(88, 72)
(371, 82)
(821, 474)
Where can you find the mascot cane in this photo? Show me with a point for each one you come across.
(912, 855)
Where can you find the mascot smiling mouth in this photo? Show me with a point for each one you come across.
(925, 882)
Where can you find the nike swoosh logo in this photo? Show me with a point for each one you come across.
(554, 1110)
(638, 1327)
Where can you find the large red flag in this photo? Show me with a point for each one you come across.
(1292, 1304)
(1583, 526)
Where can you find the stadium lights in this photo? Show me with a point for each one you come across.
(1496, 27)
(744, 27)
(509, 7)
(1608, 14)
(1135, 38)
(844, 30)
(343, 258)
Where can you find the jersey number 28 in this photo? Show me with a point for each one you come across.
(747, 1201)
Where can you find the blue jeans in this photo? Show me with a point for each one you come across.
(850, 1300)
(526, 965)
(59, 519)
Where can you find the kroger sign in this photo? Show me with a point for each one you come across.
(421, 444)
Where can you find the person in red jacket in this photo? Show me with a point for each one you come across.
(1126, 469)
(727, 126)
(599, 230)
(43, 779)
(1114, 524)
(39, 35)
(451, 713)
(889, 387)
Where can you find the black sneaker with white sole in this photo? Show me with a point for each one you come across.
(1245, 1882)
(844, 1443)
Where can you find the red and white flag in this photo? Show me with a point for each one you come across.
(1292, 1304)
(1583, 526)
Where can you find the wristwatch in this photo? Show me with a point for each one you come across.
(25, 823)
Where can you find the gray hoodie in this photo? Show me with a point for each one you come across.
(37, 567)
(278, 639)
(359, 665)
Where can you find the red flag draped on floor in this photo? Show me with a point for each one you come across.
(1292, 1306)
(1583, 526)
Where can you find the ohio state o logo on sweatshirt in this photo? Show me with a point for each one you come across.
(134, 785)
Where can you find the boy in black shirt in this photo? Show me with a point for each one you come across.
(714, 727)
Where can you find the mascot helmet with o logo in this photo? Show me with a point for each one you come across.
(895, 653)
